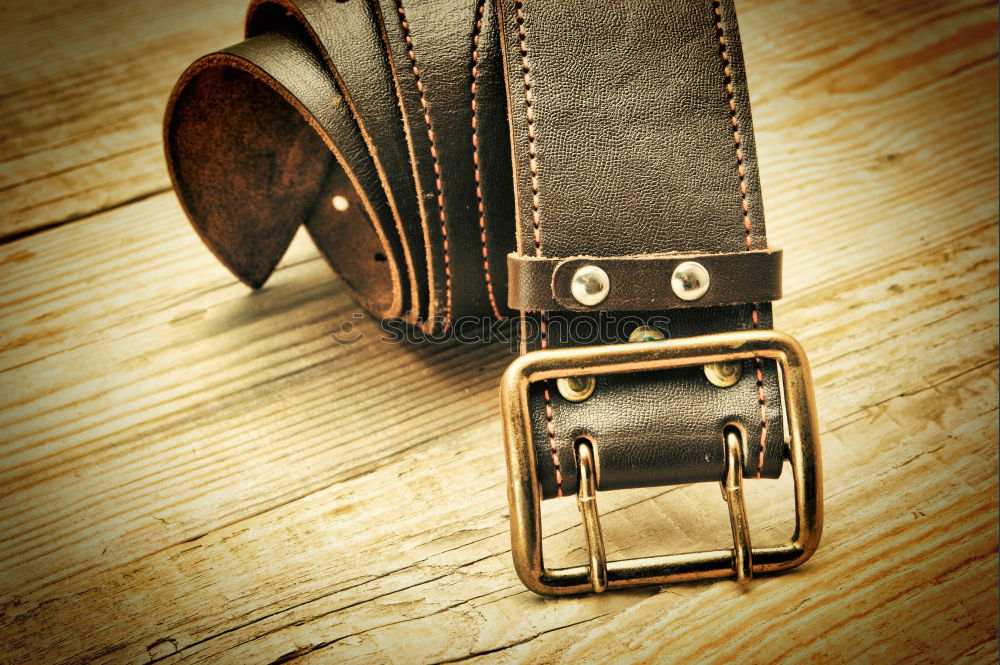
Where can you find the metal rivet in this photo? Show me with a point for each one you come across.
(724, 375)
(576, 388)
(645, 334)
(340, 203)
(590, 285)
(689, 281)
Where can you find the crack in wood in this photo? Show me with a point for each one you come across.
(14, 236)
(517, 643)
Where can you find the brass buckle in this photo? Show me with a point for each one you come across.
(742, 561)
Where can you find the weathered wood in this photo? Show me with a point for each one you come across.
(192, 473)
(84, 88)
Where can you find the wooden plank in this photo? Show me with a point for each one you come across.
(868, 119)
(85, 85)
(192, 473)
(317, 570)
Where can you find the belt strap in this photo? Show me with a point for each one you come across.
(421, 142)
(632, 136)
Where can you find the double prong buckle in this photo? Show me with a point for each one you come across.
(742, 561)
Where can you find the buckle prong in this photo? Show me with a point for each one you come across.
(732, 492)
(586, 499)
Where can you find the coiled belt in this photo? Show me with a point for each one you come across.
(586, 169)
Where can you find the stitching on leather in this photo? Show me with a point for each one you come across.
(529, 114)
(550, 427)
(476, 32)
(433, 150)
(536, 219)
(761, 399)
(730, 95)
(744, 204)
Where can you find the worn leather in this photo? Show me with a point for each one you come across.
(458, 131)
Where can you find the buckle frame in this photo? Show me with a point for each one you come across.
(524, 493)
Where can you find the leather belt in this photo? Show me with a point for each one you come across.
(579, 166)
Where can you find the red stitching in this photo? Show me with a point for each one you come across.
(437, 168)
(476, 31)
(536, 220)
(550, 427)
(755, 316)
(529, 114)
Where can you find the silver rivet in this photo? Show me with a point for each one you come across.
(340, 203)
(645, 334)
(725, 374)
(590, 285)
(576, 388)
(689, 281)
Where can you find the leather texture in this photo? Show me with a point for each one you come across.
(422, 141)
(631, 134)
(642, 282)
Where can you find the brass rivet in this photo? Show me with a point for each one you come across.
(645, 334)
(340, 203)
(576, 388)
(590, 285)
(725, 374)
(690, 280)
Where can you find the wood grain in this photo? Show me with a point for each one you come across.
(194, 473)
(85, 85)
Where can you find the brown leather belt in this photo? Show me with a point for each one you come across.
(591, 167)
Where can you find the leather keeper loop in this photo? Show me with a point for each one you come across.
(643, 282)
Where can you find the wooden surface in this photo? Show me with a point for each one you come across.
(191, 472)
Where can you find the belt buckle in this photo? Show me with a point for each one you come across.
(742, 561)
